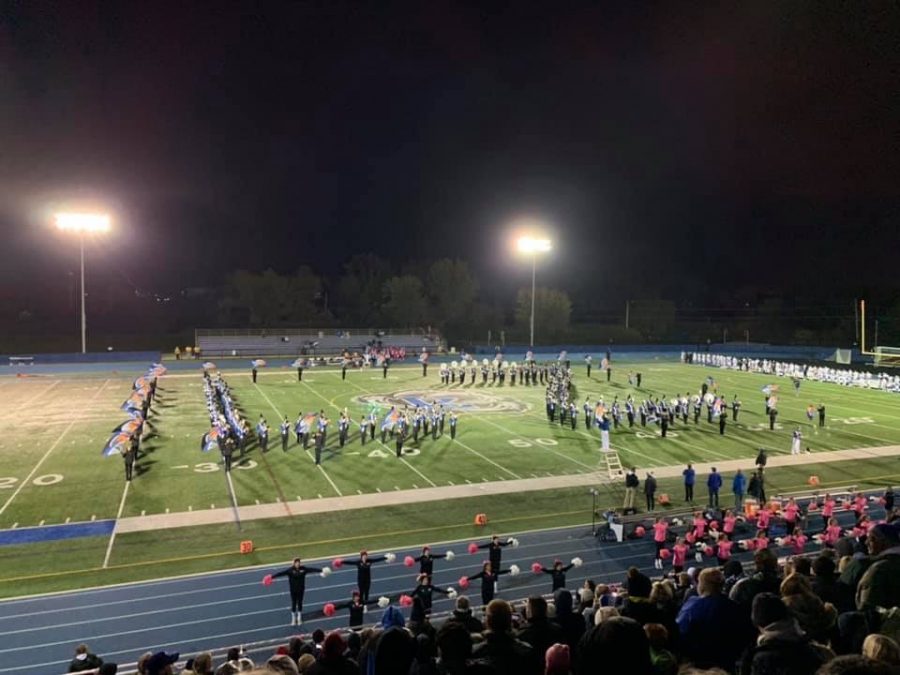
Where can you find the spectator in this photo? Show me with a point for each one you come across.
(463, 615)
(816, 618)
(603, 614)
(203, 664)
(282, 664)
(572, 624)
(501, 649)
(712, 628)
(557, 660)
(637, 605)
(108, 668)
(765, 580)
(824, 582)
(161, 663)
(84, 660)
(713, 484)
(854, 664)
(332, 660)
(297, 647)
(662, 660)
(305, 662)
(454, 644)
(739, 488)
(734, 572)
(782, 647)
(426, 653)
(388, 652)
(617, 645)
(539, 631)
(880, 585)
(882, 648)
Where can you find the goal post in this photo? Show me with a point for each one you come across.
(887, 356)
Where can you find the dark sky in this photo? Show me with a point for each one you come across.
(673, 148)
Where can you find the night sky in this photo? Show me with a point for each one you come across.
(676, 149)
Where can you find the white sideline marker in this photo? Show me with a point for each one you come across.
(143, 512)
(257, 502)
(378, 489)
(320, 495)
(450, 482)
(40, 524)
(14, 526)
(93, 517)
(67, 520)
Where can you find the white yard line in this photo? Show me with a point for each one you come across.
(237, 515)
(31, 400)
(112, 537)
(548, 449)
(487, 459)
(37, 466)
(281, 416)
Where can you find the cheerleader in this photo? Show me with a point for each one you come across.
(660, 533)
(832, 533)
(827, 511)
(699, 526)
(679, 555)
(728, 523)
(355, 607)
(761, 541)
(859, 506)
(763, 519)
(426, 560)
(557, 572)
(791, 512)
(495, 551)
(364, 571)
(488, 580)
(798, 542)
(296, 575)
(424, 592)
(723, 549)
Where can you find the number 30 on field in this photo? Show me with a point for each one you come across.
(9, 482)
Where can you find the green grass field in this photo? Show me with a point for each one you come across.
(53, 428)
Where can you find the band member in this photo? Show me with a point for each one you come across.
(285, 434)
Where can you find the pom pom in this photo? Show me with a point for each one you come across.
(639, 531)
(873, 499)
(267, 580)
(512, 541)
(882, 502)
(698, 556)
(818, 538)
(383, 602)
(779, 541)
(708, 551)
(451, 593)
(699, 545)
(409, 561)
(463, 583)
(665, 554)
(690, 537)
(406, 601)
(329, 609)
(337, 563)
(326, 571)
(514, 570)
(577, 562)
(813, 506)
(714, 525)
(450, 555)
(677, 521)
(473, 547)
(744, 544)
(390, 557)
(536, 567)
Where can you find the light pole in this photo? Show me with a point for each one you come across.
(531, 246)
(82, 223)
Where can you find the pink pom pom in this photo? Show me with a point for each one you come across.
(329, 609)
(665, 554)
(751, 544)
(409, 561)
(787, 541)
(536, 567)
(267, 580)
(708, 550)
(463, 582)
(690, 537)
(881, 501)
(337, 563)
(473, 547)
(714, 525)
(405, 601)
(640, 531)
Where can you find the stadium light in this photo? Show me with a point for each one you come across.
(83, 223)
(532, 246)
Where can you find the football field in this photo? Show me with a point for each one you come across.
(52, 430)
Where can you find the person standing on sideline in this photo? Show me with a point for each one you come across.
(253, 373)
(285, 434)
(650, 490)
(796, 437)
(738, 487)
(735, 408)
(690, 476)
(631, 484)
(129, 455)
(319, 445)
(713, 483)
(821, 410)
(722, 416)
(761, 460)
(587, 361)
(228, 453)
(300, 371)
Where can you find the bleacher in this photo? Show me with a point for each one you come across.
(306, 342)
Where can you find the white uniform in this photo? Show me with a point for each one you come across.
(795, 442)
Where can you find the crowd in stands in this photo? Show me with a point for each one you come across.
(837, 612)
(797, 371)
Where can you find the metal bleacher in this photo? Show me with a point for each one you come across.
(298, 342)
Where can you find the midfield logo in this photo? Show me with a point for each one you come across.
(463, 401)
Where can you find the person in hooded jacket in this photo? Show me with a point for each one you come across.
(572, 624)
